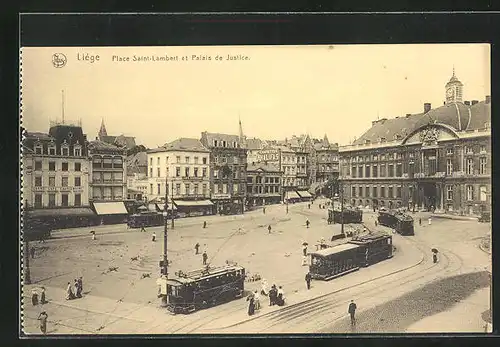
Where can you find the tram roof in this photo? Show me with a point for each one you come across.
(397, 214)
(195, 275)
(370, 237)
(335, 249)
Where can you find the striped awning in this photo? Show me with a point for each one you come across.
(292, 195)
(116, 207)
(304, 194)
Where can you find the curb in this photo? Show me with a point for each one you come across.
(325, 295)
(462, 218)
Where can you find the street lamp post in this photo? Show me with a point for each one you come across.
(26, 256)
(172, 198)
(341, 185)
(164, 267)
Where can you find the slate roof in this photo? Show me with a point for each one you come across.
(181, 144)
(38, 136)
(254, 143)
(457, 115)
(101, 145)
(210, 137)
(121, 140)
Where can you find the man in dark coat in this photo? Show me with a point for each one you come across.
(273, 294)
(269, 229)
(205, 257)
(307, 223)
(308, 280)
(352, 312)
(197, 248)
(42, 317)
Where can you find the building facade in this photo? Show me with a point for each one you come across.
(263, 185)
(55, 169)
(108, 180)
(438, 159)
(181, 170)
(228, 177)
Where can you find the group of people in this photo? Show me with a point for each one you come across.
(276, 295)
(204, 255)
(38, 297)
(77, 293)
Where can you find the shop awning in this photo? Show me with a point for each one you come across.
(292, 195)
(304, 194)
(116, 207)
(193, 203)
(47, 212)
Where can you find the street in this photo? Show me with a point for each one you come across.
(120, 268)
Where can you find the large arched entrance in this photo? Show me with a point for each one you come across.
(429, 194)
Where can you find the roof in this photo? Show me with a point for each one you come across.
(210, 137)
(186, 144)
(136, 160)
(335, 249)
(125, 141)
(370, 237)
(102, 145)
(459, 116)
(254, 143)
(263, 166)
(38, 136)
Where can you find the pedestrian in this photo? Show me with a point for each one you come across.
(34, 297)
(93, 234)
(205, 257)
(308, 280)
(307, 223)
(204, 224)
(430, 220)
(263, 289)
(364, 230)
(420, 221)
(322, 243)
(352, 312)
(280, 300)
(153, 237)
(256, 298)
(434, 257)
(273, 293)
(309, 206)
(42, 317)
(32, 252)
(264, 210)
(304, 250)
(197, 248)
(69, 292)
(80, 284)
(376, 223)
(42, 296)
(269, 228)
(251, 304)
(77, 289)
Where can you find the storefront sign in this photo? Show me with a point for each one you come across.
(221, 196)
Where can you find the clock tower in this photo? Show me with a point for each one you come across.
(454, 89)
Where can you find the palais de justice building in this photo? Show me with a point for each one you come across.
(439, 158)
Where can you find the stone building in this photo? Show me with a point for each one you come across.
(122, 141)
(263, 184)
(439, 158)
(228, 178)
(181, 170)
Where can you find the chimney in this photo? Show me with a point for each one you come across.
(488, 99)
(427, 107)
(473, 102)
(467, 103)
(408, 115)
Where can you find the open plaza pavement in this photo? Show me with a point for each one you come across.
(120, 268)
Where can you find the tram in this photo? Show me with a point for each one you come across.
(195, 290)
(145, 219)
(361, 251)
(399, 221)
(351, 215)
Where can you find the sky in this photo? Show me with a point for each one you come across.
(277, 92)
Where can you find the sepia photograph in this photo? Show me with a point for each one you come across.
(306, 189)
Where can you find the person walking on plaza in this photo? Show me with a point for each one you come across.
(308, 280)
(42, 317)
(430, 220)
(307, 223)
(420, 221)
(309, 206)
(80, 284)
(251, 304)
(197, 248)
(42, 296)
(153, 237)
(93, 234)
(264, 210)
(204, 224)
(273, 294)
(256, 298)
(280, 300)
(77, 289)
(352, 312)
(269, 228)
(205, 257)
(304, 249)
(69, 292)
(263, 289)
(34, 297)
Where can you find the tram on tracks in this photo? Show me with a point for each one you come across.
(399, 221)
(361, 251)
(199, 289)
(145, 219)
(351, 215)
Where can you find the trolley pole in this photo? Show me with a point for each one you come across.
(164, 267)
(172, 198)
(26, 265)
(341, 185)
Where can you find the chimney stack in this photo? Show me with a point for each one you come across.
(473, 102)
(467, 103)
(427, 107)
(488, 99)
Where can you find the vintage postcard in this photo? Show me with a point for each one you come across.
(256, 189)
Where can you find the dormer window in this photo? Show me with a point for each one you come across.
(52, 149)
(215, 143)
(223, 143)
(65, 149)
(78, 151)
(38, 148)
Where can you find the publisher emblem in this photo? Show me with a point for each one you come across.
(59, 60)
